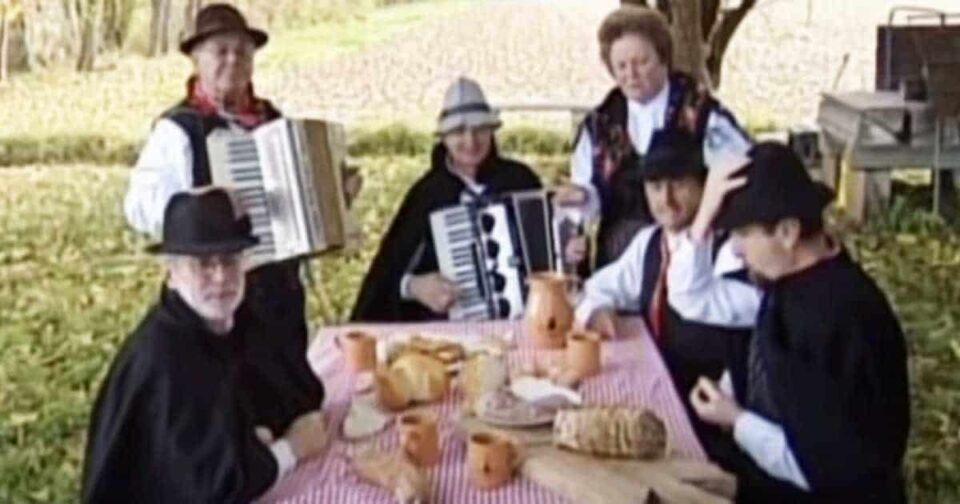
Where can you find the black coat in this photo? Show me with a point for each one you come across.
(409, 237)
(828, 363)
(171, 424)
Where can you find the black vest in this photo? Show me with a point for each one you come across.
(689, 348)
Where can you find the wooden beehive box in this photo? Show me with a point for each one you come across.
(941, 56)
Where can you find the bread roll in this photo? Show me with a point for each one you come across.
(611, 431)
(426, 376)
(391, 389)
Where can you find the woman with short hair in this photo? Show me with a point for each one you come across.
(404, 282)
(637, 49)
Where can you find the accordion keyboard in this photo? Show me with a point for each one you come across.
(237, 166)
(475, 251)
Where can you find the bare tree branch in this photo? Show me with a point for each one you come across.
(721, 35)
(709, 11)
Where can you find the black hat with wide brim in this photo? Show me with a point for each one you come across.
(215, 19)
(673, 153)
(778, 187)
(203, 224)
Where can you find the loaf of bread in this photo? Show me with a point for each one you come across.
(411, 378)
(611, 431)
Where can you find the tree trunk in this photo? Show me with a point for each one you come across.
(4, 43)
(89, 39)
(720, 35)
(165, 27)
(190, 10)
(688, 42)
(159, 27)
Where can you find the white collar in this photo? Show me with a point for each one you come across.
(656, 105)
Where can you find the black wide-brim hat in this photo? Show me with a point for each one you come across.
(215, 19)
(673, 153)
(203, 224)
(778, 187)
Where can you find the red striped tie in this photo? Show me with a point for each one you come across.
(658, 303)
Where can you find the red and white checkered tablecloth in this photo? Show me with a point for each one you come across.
(633, 374)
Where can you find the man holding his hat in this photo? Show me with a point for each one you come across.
(819, 402)
(404, 282)
(174, 159)
(673, 177)
(172, 422)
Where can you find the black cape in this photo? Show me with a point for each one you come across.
(828, 363)
(170, 424)
(409, 237)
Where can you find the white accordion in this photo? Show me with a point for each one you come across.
(287, 176)
(489, 249)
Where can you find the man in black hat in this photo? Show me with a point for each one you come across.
(673, 177)
(220, 95)
(819, 401)
(173, 422)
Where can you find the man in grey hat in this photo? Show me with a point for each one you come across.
(173, 422)
(404, 282)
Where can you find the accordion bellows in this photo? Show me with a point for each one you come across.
(611, 431)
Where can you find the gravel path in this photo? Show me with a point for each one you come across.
(785, 54)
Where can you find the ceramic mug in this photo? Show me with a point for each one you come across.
(360, 350)
(419, 439)
(583, 353)
(491, 460)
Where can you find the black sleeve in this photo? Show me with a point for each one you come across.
(406, 247)
(203, 442)
(843, 404)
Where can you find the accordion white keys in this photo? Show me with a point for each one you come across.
(287, 177)
(488, 250)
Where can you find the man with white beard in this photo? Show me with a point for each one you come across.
(173, 421)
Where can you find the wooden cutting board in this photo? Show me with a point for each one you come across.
(592, 480)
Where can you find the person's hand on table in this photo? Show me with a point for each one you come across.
(603, 321)
(712, 405)
(433, 291)
(307, 435)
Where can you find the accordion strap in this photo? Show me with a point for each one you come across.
(197, 126)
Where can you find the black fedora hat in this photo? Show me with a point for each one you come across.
(220, 18)
(203, 224)
(778, 187)
(673, 153)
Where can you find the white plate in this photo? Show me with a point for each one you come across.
(533, 389)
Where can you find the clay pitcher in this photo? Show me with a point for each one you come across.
(548, 313)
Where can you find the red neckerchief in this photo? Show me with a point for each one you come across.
(251, 113)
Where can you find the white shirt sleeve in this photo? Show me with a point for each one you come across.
(164, 167)
(617, 285)
(581, 174)
(698, 291)
(722, 134)
(767, 445)
(284, 456)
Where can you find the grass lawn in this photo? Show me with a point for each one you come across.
(74, 281)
